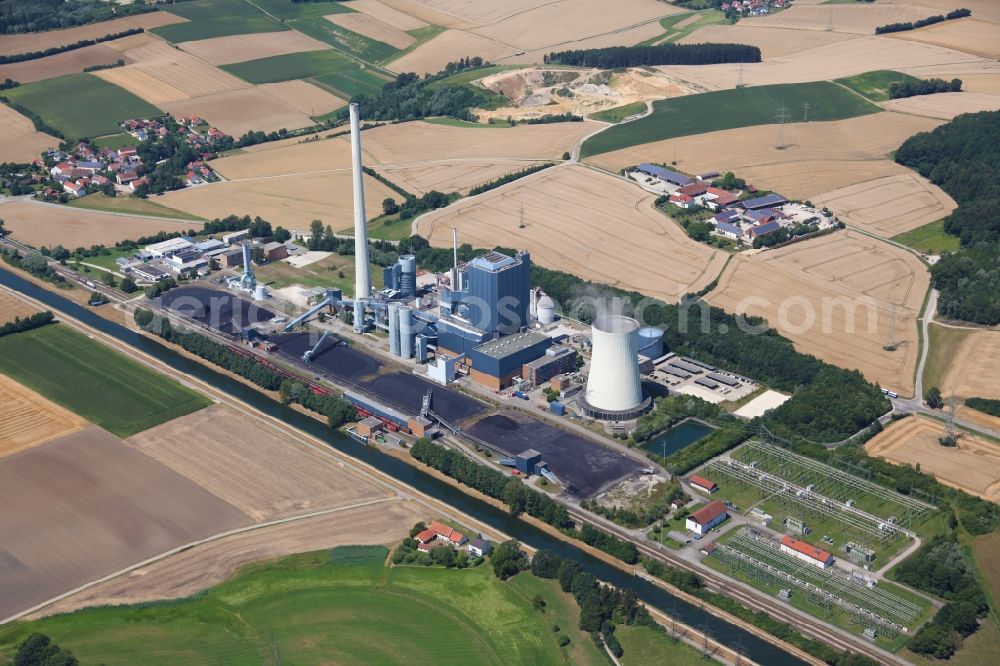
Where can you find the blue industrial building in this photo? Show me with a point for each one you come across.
(402, 276)
(495, 292)
(497, 362)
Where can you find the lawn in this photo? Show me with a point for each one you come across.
(929, 239)
(728, 109)
(218, 18)
(115, 141)
(94, 381)
(645, 645)
(343, 39)
(98, 201)
(944, 345)
(323, 273)
(875, 85)
(455, 122)
(81, 105)
(291, 66)
(352, 81)
(619, 113)
(339, 606)
(674, 34)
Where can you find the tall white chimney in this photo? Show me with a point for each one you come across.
(362, 278)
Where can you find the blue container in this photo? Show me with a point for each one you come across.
(557, 408)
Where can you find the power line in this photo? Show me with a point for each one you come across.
(739, 75)
(781, 127)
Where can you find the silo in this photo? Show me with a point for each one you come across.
(408, 275)
(613, 386)
(405, 331)
(651, 342)
(546, 310)
(394, 328)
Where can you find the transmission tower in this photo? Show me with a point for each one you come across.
(950, 431)
(520, 224)
(829, 24)
(891, 345)
(805, 112)
(739, 75)
(781, 128)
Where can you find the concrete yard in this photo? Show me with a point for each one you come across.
(584, 466)
(222, 310)
(758, 406)
(85, 505)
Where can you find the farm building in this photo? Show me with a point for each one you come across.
(702, 484)
(666, 175)
(767, 201)
(806, 552)
(707, 517)
(479, 547)
(728, 230)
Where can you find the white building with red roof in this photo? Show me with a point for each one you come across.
(806, 552)
(707, 517)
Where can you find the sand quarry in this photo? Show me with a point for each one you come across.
(542, 92)
(85, 505)
(972, 466)
(819, 156)
(40, 224)
(19, 142)
(587, 223)
(888, 206)
(975, 370)
(26, 418)
(841, 297)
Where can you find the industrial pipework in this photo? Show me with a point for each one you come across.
(362, 277)
(332, 300)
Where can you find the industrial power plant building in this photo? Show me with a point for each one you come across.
(497, 362)
(614, 390)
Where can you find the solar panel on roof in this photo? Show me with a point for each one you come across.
(670, 370)
(722, 379)
(690, 367)
(707, 383)
(697, 363)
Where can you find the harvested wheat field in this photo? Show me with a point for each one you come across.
(987, 84)
(888, 206)
(290, 201)
(85, 505)
(944, 105)
(454, 176)
(26, 418)
(386, 14)
(432, 56)
(175, 70)
(987, 9)
(840, 59)
(199, 568)
(304, 96)
(420, 142)
(39, 41)
(240, 48)
(237, 112)
(979, 418)
(264, 474)
(648, 30)
(288, 159)
(972, 35)
(373, 28)
(838, 297)
(61, 64)
(975, 370)
(861, 19)
(19, 142)
(40, 224)
(772, 42)
(586, 223)
(11, 306)
(972, 466)
(819, 156)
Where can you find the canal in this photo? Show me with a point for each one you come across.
(728, 634)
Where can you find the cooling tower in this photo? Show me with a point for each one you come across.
(613, 387)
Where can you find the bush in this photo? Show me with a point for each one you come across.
(28, 323)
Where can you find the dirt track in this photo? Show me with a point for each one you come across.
(86, 505)
(972, 466)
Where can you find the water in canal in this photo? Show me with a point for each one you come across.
(736, 638)
(681, 436)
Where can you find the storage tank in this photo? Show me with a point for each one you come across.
(408, 275)
(651, 342)
(613, 386)
(405, 331)
(546, 309)
(260, 293)
(393, 316)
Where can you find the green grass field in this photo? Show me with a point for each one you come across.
(674, 34)
(929, 239)
(98, 201)
(645, 645)
(94, 381)
(218, 18)
(323, 273)
(114, 141)
(875, 85)
(343, 39)
(945, 343)
(81, 105)
(352, 81)
(619, 113)
(728, 109)
(291, 66)
(341, 606)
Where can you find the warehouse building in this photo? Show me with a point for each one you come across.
(497, 362)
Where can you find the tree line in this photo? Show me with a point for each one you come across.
(19, 16)
(923, 87)
(509, 178)
(336, 409)
(31, 322)
(31, 262)
(664, 54)
(34, 55)
(985, 405)
(36, 120)
(962, 157)
(930, 20)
